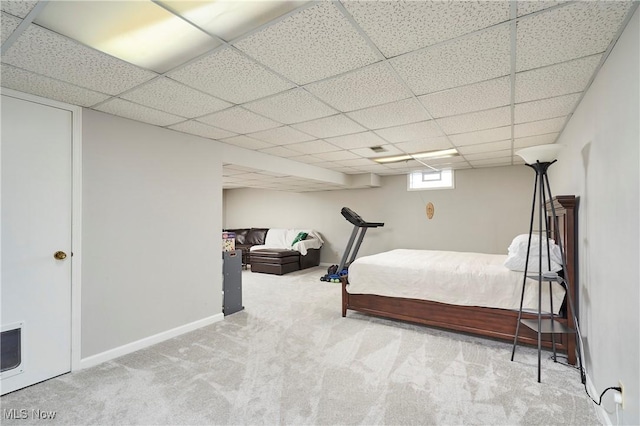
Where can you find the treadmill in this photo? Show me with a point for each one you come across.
(360, 227)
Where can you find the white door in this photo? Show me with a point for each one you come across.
(36, 223)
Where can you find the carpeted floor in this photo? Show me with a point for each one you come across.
(290, 358)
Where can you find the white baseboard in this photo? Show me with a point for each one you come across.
(603, 416)
(147, 341)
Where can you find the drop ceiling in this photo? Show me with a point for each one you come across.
(321, 83)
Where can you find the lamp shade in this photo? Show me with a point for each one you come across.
(541, 153)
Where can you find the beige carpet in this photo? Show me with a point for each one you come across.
(290, 358)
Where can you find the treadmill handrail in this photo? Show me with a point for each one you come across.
(355, 219)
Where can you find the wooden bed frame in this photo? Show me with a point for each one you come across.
(487, 322)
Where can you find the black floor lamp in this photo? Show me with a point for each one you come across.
(540, 158)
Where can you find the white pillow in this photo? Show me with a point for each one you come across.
(516, 263)
(518, 247)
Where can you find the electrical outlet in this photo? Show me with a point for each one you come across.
(621, 386)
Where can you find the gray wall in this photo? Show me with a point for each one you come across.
(152, 214)
(483, 213)
(601, 164)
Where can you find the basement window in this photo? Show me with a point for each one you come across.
(430, 179)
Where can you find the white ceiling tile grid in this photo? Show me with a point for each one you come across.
(478, 57)
(555, 80)
(280, 151)
(426, 144)
(8, 24)
(246, 142)
(553, 125)
(488, 155)
(481, 120)
(169, 96)
(397, 27)
(19, 8)
(308, 159)
(474, 97)
(387, 150)
(315, 43)
(392, 114)
(28, 82)
(239, 120)
(492, 162)
(578, 29)
(481, 136)
(527, 7)
(291, 107)
(337, 155)
(52, 55)
(357, 140)
(535, 140)
(200, 129)
(313, 147)
(231, 76)
(138, 112)
(282, 136)
(374, 85)
(327, 127)
(408, 132)
(485, 147)
(546, 108)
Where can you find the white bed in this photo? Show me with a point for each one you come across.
(456, 278)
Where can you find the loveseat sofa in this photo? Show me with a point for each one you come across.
(277, 250)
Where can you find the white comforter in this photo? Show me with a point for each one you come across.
(457, 278)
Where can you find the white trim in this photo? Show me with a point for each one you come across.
(601, 413)
(76, 214)
(147, 341)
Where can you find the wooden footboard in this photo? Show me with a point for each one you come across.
(486, 322)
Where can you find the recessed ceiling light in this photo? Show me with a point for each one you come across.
(419, 155)
(140, 32)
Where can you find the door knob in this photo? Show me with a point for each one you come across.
(60, 255)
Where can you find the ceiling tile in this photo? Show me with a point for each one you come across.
(535, 140)
(313, 147)
(482, 136)
(487, 119)
(28, 82)
(553, 125)
(426, 144)
(546, 108)
(281, 136)
(138, 112)
(478, 57)
(488, 155)
(8, 24)
(357, 140)
(308, 159)
(492, 162)
(399, 27)
(336, 155)
(239, 120)
(200, 129)
(356, 162)
(20, 8)
(327, 127)
(368, 153)
(374, 85)
(231, 76)
(247, 142)
(169, 96)
(555, 80)
(474, 97)
(408, 132)
(443, 162)
(485, 147)
(375, 168)
(392, 114)
(280, 151)
(406, 166)
(53, 55)
(310, 45)
(527, 7)
(569, 32)
(291, 107)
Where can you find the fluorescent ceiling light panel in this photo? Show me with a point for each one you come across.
(139, 32)
(429, 154)
(229, 19)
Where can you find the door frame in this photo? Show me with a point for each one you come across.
(76, 215)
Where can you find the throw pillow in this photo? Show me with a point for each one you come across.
(301, 236)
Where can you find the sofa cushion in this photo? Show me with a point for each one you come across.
(241, 234)
(256, 236)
